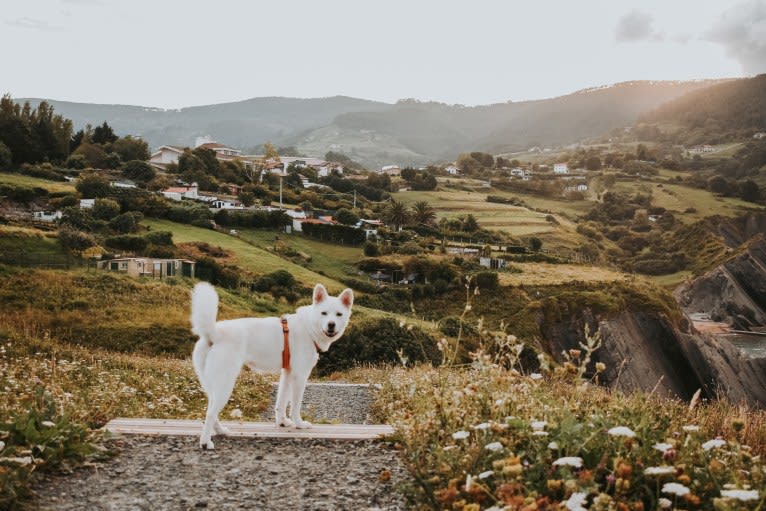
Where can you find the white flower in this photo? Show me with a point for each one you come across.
(713, 444)
(48, 424)
(460, 435)
(539, 433)
(536, 376)
(576, 500)
(553, 446)
(468, 482)
(659, 471)
(486, 474)
(482, 426)
(568, 461)
(539, 425)
(691, 428)
(743, 495)
(494, 446)
(500, 402)
(675, 489)
(662, 447)
(622, 431)
(236, 413)
(664, 503)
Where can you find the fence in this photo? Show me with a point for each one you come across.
(40, 260)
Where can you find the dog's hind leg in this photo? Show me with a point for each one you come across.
(220, 375)
(298, 385)
(283, 394)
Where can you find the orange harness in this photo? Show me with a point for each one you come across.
(286, 348)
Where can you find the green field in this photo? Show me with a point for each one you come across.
(254, 258)
(31, 182)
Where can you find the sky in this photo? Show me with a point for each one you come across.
(176, 53)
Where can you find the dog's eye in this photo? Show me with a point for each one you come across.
(324, 313)
(339, 314)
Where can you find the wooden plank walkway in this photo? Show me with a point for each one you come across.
(249, 429)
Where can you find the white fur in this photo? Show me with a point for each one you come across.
(225, 346)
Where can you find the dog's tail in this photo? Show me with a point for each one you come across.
(204, 310)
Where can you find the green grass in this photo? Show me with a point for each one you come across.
(31, 182)
(329, 259)
(256, 258)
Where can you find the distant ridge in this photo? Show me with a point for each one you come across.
(375, 133)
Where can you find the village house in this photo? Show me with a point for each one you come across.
(492, 263)
(701, 149)
(87, 203)
(182, 192)
(560, 168)
(165, 155)
(582, 187)
(452, 170)
(226, 204)
(47, 216)
(370, 227)
(299, 222)
(391, 170)
(149, 267)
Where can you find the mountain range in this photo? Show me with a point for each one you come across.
(374, 133)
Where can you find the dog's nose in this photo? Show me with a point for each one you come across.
(331, 325)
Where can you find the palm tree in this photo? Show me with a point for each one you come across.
(423, 213)
(396, 214)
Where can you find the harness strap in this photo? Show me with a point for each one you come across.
(286, 348)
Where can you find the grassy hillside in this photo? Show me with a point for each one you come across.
(34, 182)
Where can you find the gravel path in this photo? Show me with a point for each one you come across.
(172, 473)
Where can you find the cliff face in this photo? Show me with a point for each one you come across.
(734, 292)
(647, 352)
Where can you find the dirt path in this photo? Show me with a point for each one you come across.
(172, 473)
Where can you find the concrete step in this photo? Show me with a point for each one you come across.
(184, 427)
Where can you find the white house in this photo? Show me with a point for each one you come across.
(560, 168)
(182, 192)
(452, 170)
(370, 227)
(700, 149)
(123, 184)
(391, 170)
(582, 187)
(226, 204)
(166, 154)
(47, 216)
(87, 203)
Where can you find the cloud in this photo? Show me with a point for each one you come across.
(742, 32)
(635, 26)
(33, 24)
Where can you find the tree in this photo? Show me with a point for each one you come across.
(749, 191)
(593, 163)
(535, 244)
(470, 224)
(718, 184)
(6, 157)
(408, 173)
(94, 155)
(270, 152)
(130, 148)
(103, 134)
(396, 214)
(423, 213)
(346, 216)
(139, 171)
(105, 209)
(92, 185)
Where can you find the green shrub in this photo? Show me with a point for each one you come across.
(159, 237)
(487, 280)
(371, 249)
(130, 242)
(379, 341)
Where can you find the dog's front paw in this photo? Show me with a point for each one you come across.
(285, 423)
(207, 446)
(303, 424)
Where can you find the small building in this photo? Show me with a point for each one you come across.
(560, 168)
(452, 170)
(123, 184)
(149, 267)
(87, 203)
(299, 222)
(492, 263)
(226, 204)
(182, 192)
(463, 251)
(701, 149)
(47, 216)
(582, 187)
(165, 155)
(370, 227)
(391, 170)
(760, 135)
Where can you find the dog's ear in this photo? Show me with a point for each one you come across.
(347, 298)
(320, 293)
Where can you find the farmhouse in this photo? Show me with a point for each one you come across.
(370, 227)
(560, 168)
(149, 267)
(47, 216)
(164, 155)
(700, 149)
(492, 263)
(182, 192)
(452, 170)
(391, 170)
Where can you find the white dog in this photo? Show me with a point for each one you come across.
(289, 344)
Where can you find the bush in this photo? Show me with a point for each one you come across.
(74, 240)
(126, 222)
(139, 171)
(105, 209)
(379, 342)
(371, 249)
(127, 242)
(159, 237)
(487, 280)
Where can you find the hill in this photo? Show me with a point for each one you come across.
(729, 111)
(375, 133)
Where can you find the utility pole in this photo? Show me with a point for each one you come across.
(280, 191)
(354, 198)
